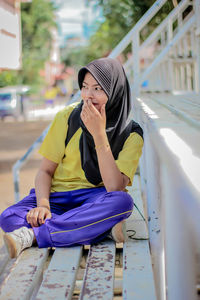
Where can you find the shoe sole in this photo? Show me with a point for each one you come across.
(10, 245)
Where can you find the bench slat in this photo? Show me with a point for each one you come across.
(135, 192)
(25, 275)
(98, 282)
(138, 282)
(10, 263)
(4, 257)
(60, 277)
(135, 221)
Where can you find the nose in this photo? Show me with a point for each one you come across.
(89, 93)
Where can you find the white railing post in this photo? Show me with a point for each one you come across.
(166, 50)
(154, 206)
(138, 26)
(18, 165)
(136, 63)
(179, 236)
(150, 181)
(170, 63)
(197, 34)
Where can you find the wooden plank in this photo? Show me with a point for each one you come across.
(135, 192)
(136, 222)
(98, 279)
(4, 258)
(25, 275)
(138, 281)
(137, 229)
(10, 263)
(60, 277)
(186, 105)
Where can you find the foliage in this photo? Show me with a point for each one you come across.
(8, 78)
(37, 18)
(120, 17)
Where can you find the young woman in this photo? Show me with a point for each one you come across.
(90, 155)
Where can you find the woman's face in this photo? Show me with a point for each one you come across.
(91, 90)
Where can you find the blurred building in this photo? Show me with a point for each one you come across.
(78, 20)
(10, 34)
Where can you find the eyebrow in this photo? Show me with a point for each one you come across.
(96, 84)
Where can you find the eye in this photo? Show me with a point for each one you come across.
(98, 88)
(84, 86)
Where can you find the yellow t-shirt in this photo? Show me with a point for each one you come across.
(69, 174)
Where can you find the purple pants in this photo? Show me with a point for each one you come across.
(82, 216)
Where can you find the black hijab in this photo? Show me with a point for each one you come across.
(110, 75)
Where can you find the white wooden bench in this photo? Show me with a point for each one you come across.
(90, 272)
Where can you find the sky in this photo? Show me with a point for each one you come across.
(76, 18)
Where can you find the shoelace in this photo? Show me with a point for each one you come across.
(25, 237)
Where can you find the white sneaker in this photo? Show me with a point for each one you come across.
(118, 232)
(17, 240)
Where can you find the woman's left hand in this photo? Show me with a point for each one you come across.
(94, 120)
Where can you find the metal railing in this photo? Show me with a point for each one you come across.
(169, 50)
(19, 164)
(174, 65)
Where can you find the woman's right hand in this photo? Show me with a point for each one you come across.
(38, 215)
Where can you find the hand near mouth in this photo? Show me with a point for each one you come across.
(94, 120)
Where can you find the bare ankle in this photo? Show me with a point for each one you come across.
(118, 232)
(34, 238)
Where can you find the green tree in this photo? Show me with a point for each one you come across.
(37, 19)
(120, 17)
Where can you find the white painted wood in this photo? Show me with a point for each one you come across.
(25, 275)
(135, 224)
(138, 281)
(176, 83)
(197, 48)
(189, 77)
(165, 51)
(180, 242)
(19, 164)
(4, 257)
(118, 286)
(189, 112)
(182, 77)
(98, 282)
(136, 62)
(180, 47)
(6, 264)
(175, 142)
(155, 34)
(154, 207)
(135, 192)
(139, 25)
(185, 46)
(60, 277)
